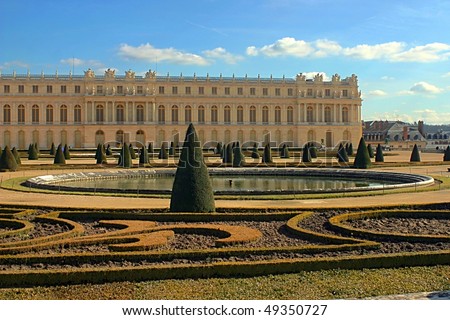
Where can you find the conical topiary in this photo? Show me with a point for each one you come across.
(125, 157)
(150, 148)
(66, 152)
(59, 156)
(52, 149)
(415, 156)
(362, 159)
(312, 150)
(238, 157)
(219, 149)
(447, 154)
(163, 154)
(342, 154)
(379, 157)
(7, 160)
(306, 154)
(108, 151)
(267, 155)
(228, 154)
(171, 149)
(100, 154)
(255, 153)
(349, 148)
(132, 152)
(16, 155)
(192, 190)
(370, 150)
(284, 152)
(143, 156)
(32, 152)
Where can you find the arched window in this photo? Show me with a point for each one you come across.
(119, 137)
(240, 136)
(77, 114)
(174, 114)
(187, 114)
(290, 115)
(345, 114)
(140, 114)
(49, 114)
(140, 138)
(277, 115)
(227, 136)
(35, 114)
(99, 137)
(201, 114)
(328, 117)
(227, 114)
(120, 113)
(309, 114)
(240, 115)
(214, 114)
(311, 136)
(21, 114)
(7, 114)
(99, 114)
(253, 114)
(252, 135)
(63, 114)
(161, 114)
(265, 115)
(347, 136)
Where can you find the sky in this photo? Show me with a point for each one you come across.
(400, 50)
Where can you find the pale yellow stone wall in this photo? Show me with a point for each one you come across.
(85, 110)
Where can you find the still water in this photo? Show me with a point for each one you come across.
(228, 183)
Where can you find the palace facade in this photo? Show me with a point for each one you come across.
(84, 110)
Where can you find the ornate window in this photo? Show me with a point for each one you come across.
(309, 114)
(35, 114)
(7, 114)
(265, 115)
(120, 113)
(253, 114)
(140, 114)
(21, 114)
(161, 114)
(345, 114)
(328, 117)
(227, 114)
(174, 114)
(277, 115)
(63, 114)
(99, 114)
(214, 114)
(240, 115)
(201, 114)
(49, 114)
(77, 114)
(187, 114)
(290, 115)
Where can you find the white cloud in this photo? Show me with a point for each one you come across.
(425, 87)
(391, 116)
(374, 52)
(377, 93)
(446, 75)
(287, 47)
(221, 53)
(146, 52)
(14, 64)
(393, 51)
(387, 78)
(427, 53)
(433, 116)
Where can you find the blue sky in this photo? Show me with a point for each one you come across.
(400, 50)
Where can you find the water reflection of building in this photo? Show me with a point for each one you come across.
(394, 134)
(85, 110)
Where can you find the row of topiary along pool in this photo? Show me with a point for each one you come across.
(229, 181)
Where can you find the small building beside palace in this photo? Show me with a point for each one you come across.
(84, 110)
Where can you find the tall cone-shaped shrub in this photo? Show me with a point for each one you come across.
(447, 154)
(192, 190)
(228, 154)
(362, 159)
(306, 154)
(350, 149)
(267, 155)
(370, 150)
(255, 153)
(379, 157)
(312, 150)
(125, 157)
(100, 154)
(66, 152)
(342, 154)
(32, 152)
(238, 157)
(163, 154)
(415, 156)
(284, 152)
(7, 160)
(219, 149)
(52, 149)
(150, 148)
(132, 152)
(16, 155)
(143, 156)
(59, 156)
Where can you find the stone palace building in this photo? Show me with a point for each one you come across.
(84, 110)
